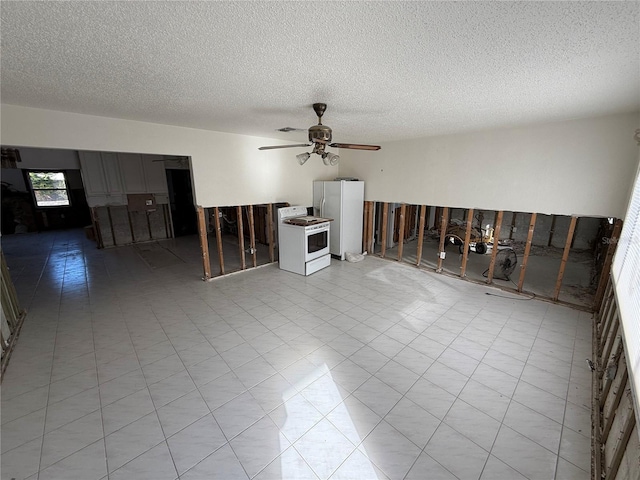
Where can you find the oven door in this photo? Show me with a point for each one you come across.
(317, 241)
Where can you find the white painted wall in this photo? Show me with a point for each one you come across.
(582, 167)
(227, 169)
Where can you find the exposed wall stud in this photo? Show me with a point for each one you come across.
(243, 261)
(204, 245)
(513, 225)
(252, 236)
(372, 211)
(527, 249)
(467, 240)
(270, 232)
(216, 223)
(496, 240)
(423, 213)
(403, 212)
(443, 233)
(606, 266)
(383, 234)
(565, 257)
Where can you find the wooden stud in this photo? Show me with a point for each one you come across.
(612, 320)
(113, 234)
(383, 235)
(622, 377)
(611, 339)
(565, 257)
(606, 266)
(575, 229)
(204, 244)
(216, 224)
(467, 240)
(443, 233)
(423, 213)
(403, 212)
(252, 236)
(527, 249)
(365, 226)
(622, 443)
(608, 295)
(270, 235)
(602, 369)
(96, 228)
(133, 235)
(494, 249)
(372, 211)
(243, 261)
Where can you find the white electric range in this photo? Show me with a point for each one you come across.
(303, 241)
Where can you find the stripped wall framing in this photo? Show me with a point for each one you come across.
(249, 226)
(615, 437)
(437, 219)
(12, 316)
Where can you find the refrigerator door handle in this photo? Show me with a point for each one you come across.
(322, 207)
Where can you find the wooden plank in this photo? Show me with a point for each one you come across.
(608, 346)
(270, 232)
(216, 223)
(96, 227)
(606, 357)
(252, 236)
(423, 213)
(565, 257)
(494, 249)
(372, 211)
(610, 398)
(513, 224)
(365, 226)
(467, 239)
(613, 315)
(383, 240)
(443, 233)
(621, 444)
(527, 249)
(606, 266)
(608, 295)
(204, 244)
(243, 260)
(403, 212)
(608, 306)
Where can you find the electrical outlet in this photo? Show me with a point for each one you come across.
(514, 229)
(442, 255)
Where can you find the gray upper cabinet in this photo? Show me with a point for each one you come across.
(109, 177)
(102, 180)
(132, 172)
(154, 173)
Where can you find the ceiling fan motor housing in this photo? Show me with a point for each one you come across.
(320, 134)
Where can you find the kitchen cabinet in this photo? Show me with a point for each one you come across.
(154, 174)
(132, 172)
(101, 178)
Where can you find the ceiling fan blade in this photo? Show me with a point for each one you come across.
(298, 145)
(354, 146)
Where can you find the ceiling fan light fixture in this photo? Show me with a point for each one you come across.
(331, 159)
(303, 157)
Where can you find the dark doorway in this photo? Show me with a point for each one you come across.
(183, 212)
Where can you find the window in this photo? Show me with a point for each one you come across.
(49, 189)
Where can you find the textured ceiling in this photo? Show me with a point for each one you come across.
(388, 70)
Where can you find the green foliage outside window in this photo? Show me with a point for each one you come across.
(49, 189)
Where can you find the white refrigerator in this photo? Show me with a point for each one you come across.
(343, 201)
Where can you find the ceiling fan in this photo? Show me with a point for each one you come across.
(320, 138)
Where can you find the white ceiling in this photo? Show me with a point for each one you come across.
(388, 70)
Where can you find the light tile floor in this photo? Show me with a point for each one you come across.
(371, 370)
